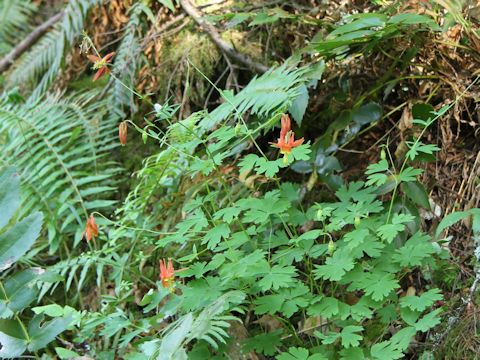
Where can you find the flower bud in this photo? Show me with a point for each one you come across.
(331, 247)
(383, 156)
(122, 132)
(144, 137)
(357, 221)
(238, 128)
(320, 214)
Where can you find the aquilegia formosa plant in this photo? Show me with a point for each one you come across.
(100, 64)
(91, 229)
(287, 141)
(167, 274)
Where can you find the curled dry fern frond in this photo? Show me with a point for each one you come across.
(59, 148)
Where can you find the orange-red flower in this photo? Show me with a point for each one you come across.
(91, 229)
(167, 274)
(287, 141)
(122, 132)
(100, 64)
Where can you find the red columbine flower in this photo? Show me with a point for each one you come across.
(167, 274)
(287, 141)
(122, 132)
(91, 229)
(100, 64)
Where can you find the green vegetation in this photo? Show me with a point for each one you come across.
(238, 180)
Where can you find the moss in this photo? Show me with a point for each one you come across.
(374, 330)
(198, 50)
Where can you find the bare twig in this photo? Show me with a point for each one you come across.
(160, 32)
(25, 44)
(193, 12)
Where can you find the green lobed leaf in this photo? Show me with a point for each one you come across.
(297, 353)
(213, 237)
(264, 343)
(278, 277)
(349, 336)
(335, 266)
(377, 284)
(428, 321)
(420, 303)
(385, 350)
(416, 250)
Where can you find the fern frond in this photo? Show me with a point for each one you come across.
(14, 19)
(76, 269)
(274, 90)
(42, 64)
(209, 325)
(59, 148)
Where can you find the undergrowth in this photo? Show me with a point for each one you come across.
(241, 232)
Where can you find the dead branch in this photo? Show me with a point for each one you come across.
(25, 44)
(193, 12)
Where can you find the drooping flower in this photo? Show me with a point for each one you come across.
(122, 132)
(286, 141)
(100, 64)
(91, 229)
(167, 274)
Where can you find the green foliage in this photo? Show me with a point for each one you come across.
(266, 260)
(274, 91)
(19, 290)
(257, 249)
(40, 66)
(299, 354)
(15, 240)
(209, 325)
(264, 343)
(14, 20)
(365, 31)
(58, 147)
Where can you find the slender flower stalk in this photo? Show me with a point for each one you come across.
(100, 64)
